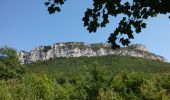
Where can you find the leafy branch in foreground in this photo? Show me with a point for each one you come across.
(134, 13)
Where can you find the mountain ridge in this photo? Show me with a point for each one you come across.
(78, 49)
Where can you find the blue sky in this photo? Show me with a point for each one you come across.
(25, 24)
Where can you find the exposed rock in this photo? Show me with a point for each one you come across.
(138, 47)
(24, 57)
(77, 49)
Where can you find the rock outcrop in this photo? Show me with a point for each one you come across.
(77, 49)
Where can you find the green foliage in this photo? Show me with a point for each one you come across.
(35, 87)
(9, 65)
(9, 52)
(134, 14)
(4, 91)
(108, 95)
(73, 66)
(99, 46)
(10, 72)
(122, 85)
(107, 77)
(90, 78)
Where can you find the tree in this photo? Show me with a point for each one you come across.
(134, 12)
(10, 56)
(9, 64)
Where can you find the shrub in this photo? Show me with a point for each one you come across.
(10, 72)
(5, 91)
(9, 66)
(108, 94)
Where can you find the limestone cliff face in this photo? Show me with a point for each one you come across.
(77, 49)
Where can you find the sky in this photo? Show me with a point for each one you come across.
(26, 24)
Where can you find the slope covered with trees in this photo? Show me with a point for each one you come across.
(89, 78)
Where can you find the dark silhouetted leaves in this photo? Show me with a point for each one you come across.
(134, 13)
(143, 25)
(53, 5)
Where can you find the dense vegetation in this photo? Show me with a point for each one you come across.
(9, 65)
(85, 78)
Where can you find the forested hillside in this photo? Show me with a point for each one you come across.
(88, 78)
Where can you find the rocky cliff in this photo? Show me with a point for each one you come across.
(77, 49)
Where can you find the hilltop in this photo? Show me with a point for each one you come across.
(78, 49)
